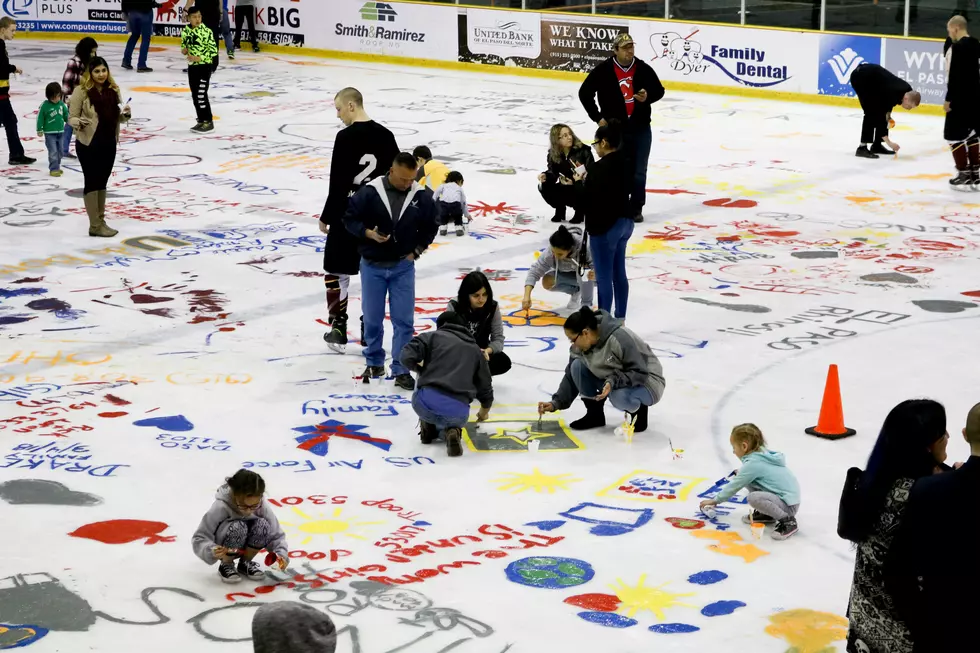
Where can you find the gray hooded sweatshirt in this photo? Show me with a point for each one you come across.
(619, 357)
(291, 627)
(451, 363)
(214, 526)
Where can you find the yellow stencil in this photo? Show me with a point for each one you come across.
(639, 597)
(731, 544)
(536, 481)
(643, 485)
(808, 631)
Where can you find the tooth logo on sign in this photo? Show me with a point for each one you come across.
(844, 63)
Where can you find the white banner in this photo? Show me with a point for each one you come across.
(401, 30)
(729, 56)
(503, 33)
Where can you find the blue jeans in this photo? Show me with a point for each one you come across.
(397, 283)
(53, 142)
(570, 283)
(625, 399)
(426, 409)
(140, 27)
(640, 143)
(66, 143)
(609, 259)
(226, 32)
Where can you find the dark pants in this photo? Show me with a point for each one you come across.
(199, 77)
(559, 197)
(499, 364)
(638, 144)
(9, 121)
(450, 212)
(140, 27)
(609, 261)
(625, 399)
(874, 126)
(215, 31)
(96, 161)
(243, 14)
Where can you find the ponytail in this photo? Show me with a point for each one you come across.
(581, 320)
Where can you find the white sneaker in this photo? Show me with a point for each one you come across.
(575, 302)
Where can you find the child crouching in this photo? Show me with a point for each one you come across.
(451, 201)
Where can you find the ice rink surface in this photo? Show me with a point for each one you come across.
(137, 373)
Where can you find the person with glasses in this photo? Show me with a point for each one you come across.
(238, 526)
(607, 361)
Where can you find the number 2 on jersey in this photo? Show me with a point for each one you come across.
(370, 163)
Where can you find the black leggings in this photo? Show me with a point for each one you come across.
(245, 13)
(199, 77)
(96, 160)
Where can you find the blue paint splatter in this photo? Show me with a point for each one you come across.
(421, 523)
(170, 423)
(604, 526)
(721, 608)
(608, 619)
(9, 293)
(672, 629)
(707, 577)
(61, 309)
(15, 319)
(546, 525)
(27, 634)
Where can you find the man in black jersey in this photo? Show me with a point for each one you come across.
(879, 91)
(962, 106)
(362, 151)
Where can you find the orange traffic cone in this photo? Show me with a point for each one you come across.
(830, 425)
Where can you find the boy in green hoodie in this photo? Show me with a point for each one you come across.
(51, 119)
(774, 492)
(197, 43)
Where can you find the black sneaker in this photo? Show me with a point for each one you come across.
(69, 155)
(578, 218)
(250, 569)
(21, 161)
(754, 516)
(962, 181)
(373, 372)
(144, 69)
(127, 66)
(454, 442)
(460, 231)
(878, 148)
(336, 338)
(443, 230)
(785, 529)
(638, 216)
(405, 381)
(203, 127)
(255, 48)
(864, 153)
(559, 215)
(427, 432)
(228, 573)
(231, 54)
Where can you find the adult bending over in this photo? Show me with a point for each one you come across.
(95, 116)
(566, 154)
(475, 304)
(911, 445)
(607, 360)
(879, 91)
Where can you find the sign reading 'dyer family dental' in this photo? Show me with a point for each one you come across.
(729, 56)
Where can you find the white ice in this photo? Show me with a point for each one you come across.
(243, 378)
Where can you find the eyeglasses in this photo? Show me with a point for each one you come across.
(574, 340)
(245, 506)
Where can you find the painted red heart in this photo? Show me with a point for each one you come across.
(111, 415)
(971, 293)
(597, 602)
(728, 202)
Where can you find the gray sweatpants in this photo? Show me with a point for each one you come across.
(770, 504)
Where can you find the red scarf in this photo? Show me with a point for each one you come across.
(106, 103)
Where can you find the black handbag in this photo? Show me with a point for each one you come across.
(852, 522)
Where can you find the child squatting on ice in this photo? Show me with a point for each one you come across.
(774, 493)
(560, 269)
(452, 203)
(238, 526)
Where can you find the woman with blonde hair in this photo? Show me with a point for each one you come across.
(566, 155)
(94, 114)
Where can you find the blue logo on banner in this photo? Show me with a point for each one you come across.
(17, 8)
(840, 55)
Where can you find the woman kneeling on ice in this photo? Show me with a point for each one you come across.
(607, 360)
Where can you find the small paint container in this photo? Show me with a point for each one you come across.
(758, 530)
(709, 512)
(533, 446)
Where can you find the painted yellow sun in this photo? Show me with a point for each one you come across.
(639, 597)
(536, 480)
(331, 526)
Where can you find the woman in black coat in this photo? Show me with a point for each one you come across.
(567, 153)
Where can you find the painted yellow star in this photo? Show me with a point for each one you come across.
(520, 436)
(536, 481)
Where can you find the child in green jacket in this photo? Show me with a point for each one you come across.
(198, 45)
(51, 119)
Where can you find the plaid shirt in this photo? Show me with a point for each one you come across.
(73, 75)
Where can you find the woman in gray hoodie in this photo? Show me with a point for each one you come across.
(238, 526)
(607, 360)
(291, 627)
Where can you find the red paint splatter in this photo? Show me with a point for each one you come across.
(729, 294)
(671, 191)
(912, 269)
(774, 233)
(727, 202)
(226, 329)
(685, 523)
(140, 298)
(729, 239)
(971, 293)
(112, 415)
(29, 280)
(123, 531)
(206, 301)
(597, 602)
(116, 401)
(159, 312)
(304, 275)
(153, 410)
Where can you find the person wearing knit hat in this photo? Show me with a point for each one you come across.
(291, 627)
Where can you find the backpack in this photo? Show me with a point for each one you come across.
(852, 522)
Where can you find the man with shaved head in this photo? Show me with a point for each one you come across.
(932, 570)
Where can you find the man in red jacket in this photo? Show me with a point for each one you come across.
(626, 87)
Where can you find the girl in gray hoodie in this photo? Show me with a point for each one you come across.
(238, 526)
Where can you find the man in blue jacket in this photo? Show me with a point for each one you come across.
(395, 220)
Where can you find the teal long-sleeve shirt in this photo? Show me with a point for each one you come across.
(767, 470)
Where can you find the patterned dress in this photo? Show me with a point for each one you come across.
(875, 624)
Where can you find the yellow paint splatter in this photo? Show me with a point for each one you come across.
(862, 200)
(639, 597)
(651, 246)
(924, 175)
(536, 481)
(731, 544)
(534, 317)
(808, 631)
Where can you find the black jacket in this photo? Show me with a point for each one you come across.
(451, 362)
(605, 192)
(411, 232)
(602, 81)
(963, 83)
(6, 68)
(878, 88)
(932, 571)
(139, 5)
(582, 154)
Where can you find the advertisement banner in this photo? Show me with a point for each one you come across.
(569, 44)
(921, 64)
(840, 55)
(385, 28)
(729, 56)
(506, 34)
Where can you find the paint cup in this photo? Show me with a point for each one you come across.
(758, 530)
(709, 512)
(533, 446)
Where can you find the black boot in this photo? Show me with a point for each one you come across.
(559, 214)
(864, 153)
(639, 419)
(879, 148)
(578, 217)
(427, 432)
(594, 415)
(363, 344)
(373, 372)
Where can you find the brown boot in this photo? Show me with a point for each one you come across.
(95, 208)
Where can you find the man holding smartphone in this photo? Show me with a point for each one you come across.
(395, 220)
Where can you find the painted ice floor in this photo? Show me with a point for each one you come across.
(139, 372)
